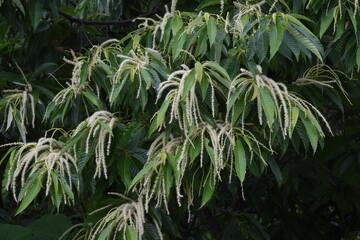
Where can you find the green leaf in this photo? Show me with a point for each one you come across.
(177, 23)
(225, 79)
(83, 73)
(107, 127)
(93, 98)
(261, 45)
(326, 20)
(19, 5)
(131, 233)
(267, 104)
(276, 35)
(65, 187)
(28, 183)
(311, 132)
(211, 30)
(292, 44)
(178, 43)
(275, 169)
(123, 167)
(159, 117)
(294, 117)
(240, 160)
(207, 3)
(144, 170)
(35, 8)
(189, 82)
(199, 71)
(305, 41)
(147, 78)
(106, 231)
(358, 57)
(352, 18)
(31, 194)
(239, 108)
(208, 191)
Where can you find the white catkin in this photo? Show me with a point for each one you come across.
(173, 6)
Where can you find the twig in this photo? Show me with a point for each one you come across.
(119, 22)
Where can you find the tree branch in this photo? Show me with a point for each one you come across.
(119, 22)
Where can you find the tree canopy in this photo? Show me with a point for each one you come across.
(180, 120)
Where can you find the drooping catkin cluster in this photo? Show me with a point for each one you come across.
(75, 86)
(252, 9)
(282, 99)
(19, 100)
(131, 65)
(118, 219)
(45, 158)
(96, 57)
(322, 75)
(98, 126)
(191, 114)
(153, 185)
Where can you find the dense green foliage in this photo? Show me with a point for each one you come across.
(197, 120)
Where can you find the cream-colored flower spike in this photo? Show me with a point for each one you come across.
(44, 157)
(120, 218)
(283, 99)
(191, 115)
(75, 86)
(95, 125)
(132, 63)
(152, 185)
(23, 99)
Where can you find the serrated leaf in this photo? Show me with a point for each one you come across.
(275, 169)
(294, 117)
(306, 42)
(211, 30)
(311, 132)
(267, 104)
(292, 44)
(93, 98)
(19, 5)
(107, 127)
(261, 45)
(326, 20)
(276, 35)
(178, 43)
(208, 191)
(35, 8)
(142, 172)
(147, 78)
(177, 23)
(199, 71)
(31, 194)
(83, 73)
(131, 233)
(159, 117)
(123, 166)
(240, 160)
(106, 231)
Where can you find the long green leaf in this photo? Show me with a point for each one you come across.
(211, 30)
(267, 104)
(276, 32)
(35, 8)
(304, 41)
(208, 191)
(31, 194)
(240, 160)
